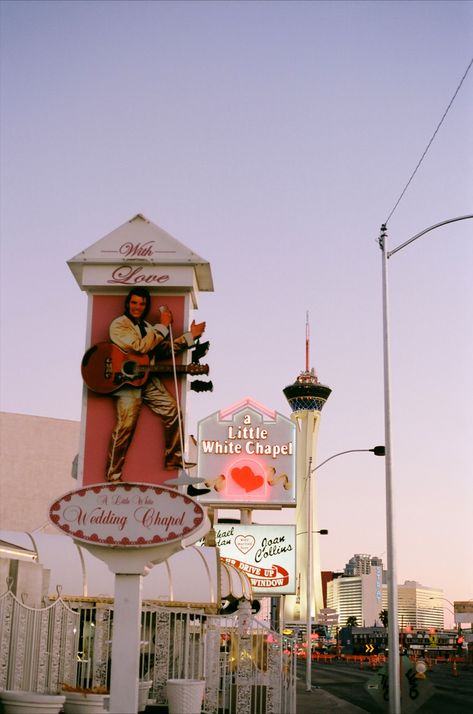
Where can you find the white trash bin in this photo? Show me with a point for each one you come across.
(185, 696)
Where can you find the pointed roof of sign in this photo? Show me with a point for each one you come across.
(155, 246)
(247, 402)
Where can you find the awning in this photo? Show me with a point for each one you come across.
(194, 576)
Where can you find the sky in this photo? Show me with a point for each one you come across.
(273, 139)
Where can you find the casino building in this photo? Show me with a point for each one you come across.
(361, 592)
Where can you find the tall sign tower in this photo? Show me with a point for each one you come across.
(306, 397)
(135, 256)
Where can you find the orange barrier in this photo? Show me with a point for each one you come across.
(321, 656)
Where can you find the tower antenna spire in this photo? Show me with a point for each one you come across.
(307, 341)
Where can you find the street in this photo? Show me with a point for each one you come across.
(347, 680)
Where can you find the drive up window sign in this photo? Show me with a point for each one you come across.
(246, 457)
(266, 554)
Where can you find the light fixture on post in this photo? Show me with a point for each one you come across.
(393, 625)
(377, 451)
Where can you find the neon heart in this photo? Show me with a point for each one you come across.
(246, 478)
(244, 543)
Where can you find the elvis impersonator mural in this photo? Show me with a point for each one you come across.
(128, 369)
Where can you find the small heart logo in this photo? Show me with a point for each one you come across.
(244, 543)
(246, 478)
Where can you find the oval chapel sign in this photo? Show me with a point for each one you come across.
(126, 514)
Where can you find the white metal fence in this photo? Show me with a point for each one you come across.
(247, 668)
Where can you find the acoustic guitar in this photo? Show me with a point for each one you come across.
(105, 368)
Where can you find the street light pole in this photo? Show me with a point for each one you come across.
(393, 625)
(377, 451)
(308, 664)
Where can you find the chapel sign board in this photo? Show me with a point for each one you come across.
(246, 457)
(126, 515)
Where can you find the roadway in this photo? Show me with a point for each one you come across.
(348, 682)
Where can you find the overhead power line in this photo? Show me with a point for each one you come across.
(430, 142)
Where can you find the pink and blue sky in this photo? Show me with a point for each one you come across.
(272, 138)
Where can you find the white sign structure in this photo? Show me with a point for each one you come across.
(246, 457)
(131, 527)
(266, 554)
(126, 515)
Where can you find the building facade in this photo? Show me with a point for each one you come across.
(419, 606)
(358, 596)
(361, 592)
(37, 462)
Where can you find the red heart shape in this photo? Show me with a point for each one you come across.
(246, 478)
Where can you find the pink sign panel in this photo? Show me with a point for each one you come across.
(145, 456)
(126, 515)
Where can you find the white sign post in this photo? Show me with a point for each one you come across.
(131, 527)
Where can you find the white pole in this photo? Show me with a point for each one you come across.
(393, 627)
(308, 686)
(126, 644)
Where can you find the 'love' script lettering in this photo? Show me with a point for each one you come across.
(133, 275)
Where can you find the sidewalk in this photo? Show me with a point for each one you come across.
(318, 701)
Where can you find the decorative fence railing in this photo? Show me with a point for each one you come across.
(247, 668)
(38, 647)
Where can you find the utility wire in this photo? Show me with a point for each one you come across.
(430, 142)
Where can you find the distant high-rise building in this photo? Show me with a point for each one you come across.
(419, 606)
(361, 564)
(357, 596)
(361, 592)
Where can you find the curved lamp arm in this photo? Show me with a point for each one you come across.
(376, 450)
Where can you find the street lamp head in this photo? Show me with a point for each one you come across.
(324, 531)
(379, 450)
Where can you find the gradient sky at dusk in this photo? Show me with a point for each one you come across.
(273, 139)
